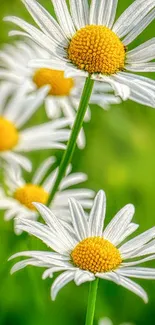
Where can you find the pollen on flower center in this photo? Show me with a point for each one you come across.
(31, 193)
(97, 49)
(8, 135)
(96, 254)
(60, 86)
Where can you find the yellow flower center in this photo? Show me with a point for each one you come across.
(8, 135)
(97, 49)
(96, 254)
(60, 86)
(31, 193)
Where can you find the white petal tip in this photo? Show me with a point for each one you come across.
(53, 297)
(146, 300)
(131, 207)
(12, 271)
(5, 18)
(81, 146)
(101, 194)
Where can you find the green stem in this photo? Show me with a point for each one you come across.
(87, 90)
(91, 302)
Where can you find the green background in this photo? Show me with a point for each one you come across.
(119, 158)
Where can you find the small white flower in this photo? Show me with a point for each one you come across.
(15, 110)
(107, 321)
(64, 93)
(84, 251)
(87, 41)
(17, 203)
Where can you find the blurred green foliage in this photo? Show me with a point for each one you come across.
(119, 158)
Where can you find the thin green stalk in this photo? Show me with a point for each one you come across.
(91, 302)
(87, 90)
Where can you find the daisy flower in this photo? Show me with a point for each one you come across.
(107, 321)
(64, 93)
(84, 250)
(87, 41)
(18, 201)
(15, 111)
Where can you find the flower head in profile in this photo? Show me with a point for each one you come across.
(107, 321)
(85, 250)
(63, 96)
(87, 41)
(15, 110)
(17, 203)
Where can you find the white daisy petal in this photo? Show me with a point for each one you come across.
(81, 141)
(105, 321)
(52, 108)
(64, 17)
(149, 83)
(13, 177)
(142, 53)
(131, 228)
(145, 249)
(6, 90)
(134, 14)
(80, 12)
(141, 67)
(16, 100)
(103, 12)
(138, 272)
(82, 195)
(54, 269)
(119, 223)
(119, 88)
(107, 12)
(134, 287)
(83, 276)
(43, 233)
(60, 282)
(110, 276)
(73, 179)
(42, 170)
(94, 10)
(97, 215)
(143, 260)
(51, 258)
(31, 261)
(33, 103)
(71, 72)
(28, 146)
(141, 88)
(138, 29)
(39, 37)
(79, 219)
(7, 203)
(54, 223)
(139, 98)
(138, 241)
(10, 77)
(50, 63)
(50, 180)
(18, 33)
(6, 59)
(9, 214)
(45, 21)
(12, 157)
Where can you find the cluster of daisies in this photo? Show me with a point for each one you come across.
(48, 67)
